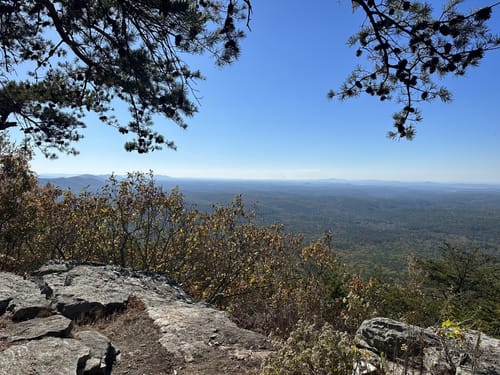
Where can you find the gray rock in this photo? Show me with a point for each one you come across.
(191, 331)
(88, 290)
(55, 325)
(408, 349)
(102, 352)
(50, 355)
(21, 297)
(393, 338)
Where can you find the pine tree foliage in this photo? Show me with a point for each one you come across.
(63, 59)
(409, 44)
(467, 284)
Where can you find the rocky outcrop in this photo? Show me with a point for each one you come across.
(400, 348)
(22, 298)
(44, 329)
(50, 355)
(39, 313)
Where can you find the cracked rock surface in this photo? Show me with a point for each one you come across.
(425, 351)
(78, 318)
(37, 316)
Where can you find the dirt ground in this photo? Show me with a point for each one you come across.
(134, 334)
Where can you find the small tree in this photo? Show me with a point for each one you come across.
(16, 183)
(467, 284)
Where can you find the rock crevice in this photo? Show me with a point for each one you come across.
(401, 348)
(38, 314)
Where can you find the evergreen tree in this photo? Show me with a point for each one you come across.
(61, 59)
(408, 43)
(467, 284)
(85, 55)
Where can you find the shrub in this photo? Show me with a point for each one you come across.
(17, 212)
(268, 279)
(312, 350)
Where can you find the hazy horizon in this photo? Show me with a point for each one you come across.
(275, 180)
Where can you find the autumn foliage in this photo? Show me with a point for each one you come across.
(266, 278)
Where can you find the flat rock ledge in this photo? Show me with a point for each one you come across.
(37, 314)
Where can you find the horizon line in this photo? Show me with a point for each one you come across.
(284, 180)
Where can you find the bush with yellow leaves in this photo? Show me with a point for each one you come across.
(267, 278)
(312, 350)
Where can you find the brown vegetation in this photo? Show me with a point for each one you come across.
(267, 279)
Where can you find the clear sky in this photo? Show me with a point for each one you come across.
(267, 116)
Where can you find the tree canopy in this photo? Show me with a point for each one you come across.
(63, 59)
(84, 56)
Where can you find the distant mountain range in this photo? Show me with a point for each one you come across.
(371, 187)
(74, 183)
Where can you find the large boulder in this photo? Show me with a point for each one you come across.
(407, 349)
(93, 291)
(21, 297)
(50, 355)
(190, 332)
(393, 338)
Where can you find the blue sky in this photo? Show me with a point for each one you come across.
(267, 116)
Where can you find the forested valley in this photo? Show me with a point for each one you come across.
(374, 226)
(267, 276)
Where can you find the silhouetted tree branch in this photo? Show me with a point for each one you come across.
(408, 44)
(86, 55)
